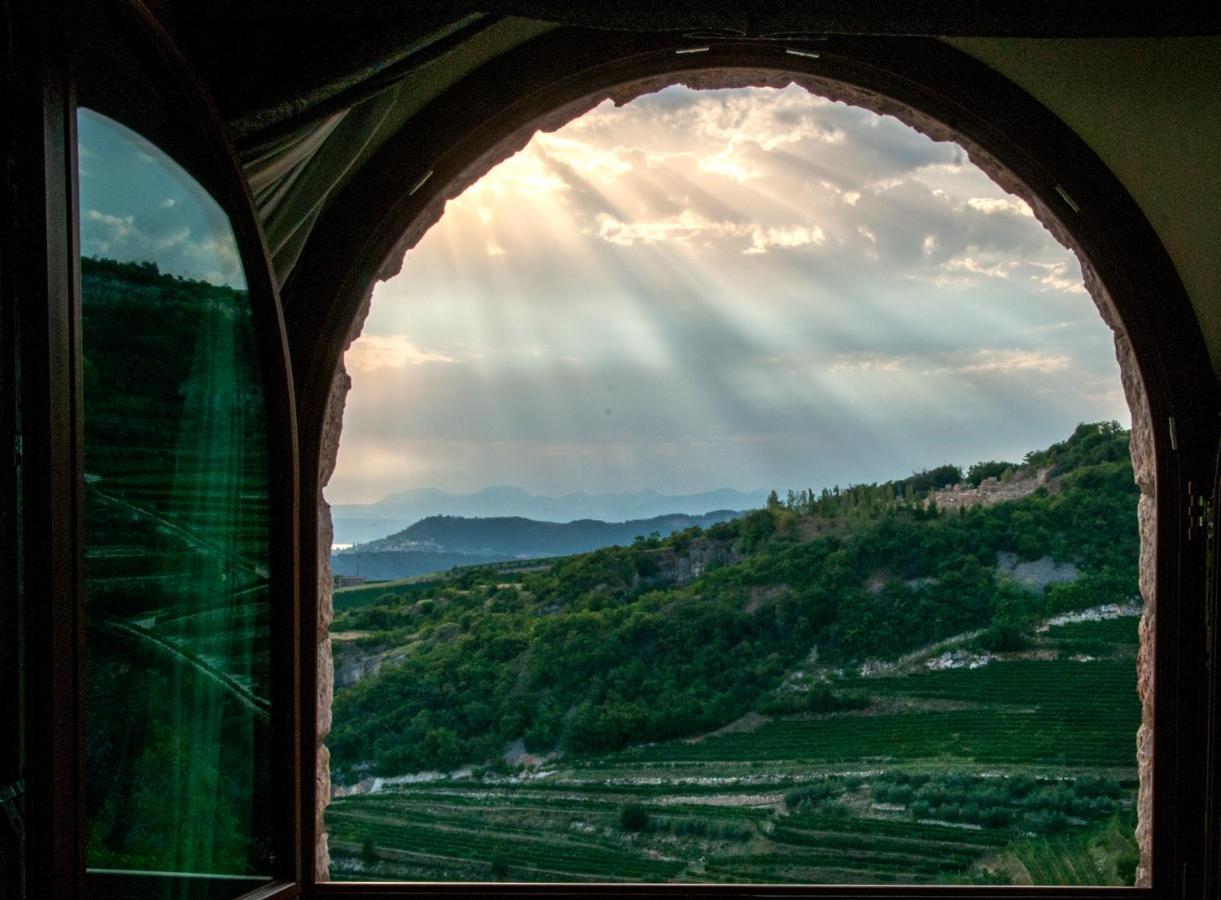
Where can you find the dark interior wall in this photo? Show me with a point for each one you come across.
(1151, 109)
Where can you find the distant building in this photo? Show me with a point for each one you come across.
(991, 491)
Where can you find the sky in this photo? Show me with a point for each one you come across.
(746, 288)
(137, 205)
(738, 288)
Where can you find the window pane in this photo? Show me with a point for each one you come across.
(176, 513)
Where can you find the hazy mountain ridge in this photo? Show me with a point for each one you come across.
(441, 542)
(364, 522)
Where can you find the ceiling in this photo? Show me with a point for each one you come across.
(311, 89)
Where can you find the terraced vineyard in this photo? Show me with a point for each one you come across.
(1093, 858)
(1018, 771)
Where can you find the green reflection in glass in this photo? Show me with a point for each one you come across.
(175, 522)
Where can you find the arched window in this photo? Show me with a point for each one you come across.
(750, 287)
(159, 704)
(924, 87)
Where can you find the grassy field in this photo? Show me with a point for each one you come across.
(1041, 746)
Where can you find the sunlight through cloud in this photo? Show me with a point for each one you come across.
(787, 289)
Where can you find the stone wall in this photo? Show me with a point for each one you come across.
(989, 492)
(327, 456)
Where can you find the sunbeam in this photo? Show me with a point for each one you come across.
(739, 288)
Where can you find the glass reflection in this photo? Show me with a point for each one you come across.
(176, 513)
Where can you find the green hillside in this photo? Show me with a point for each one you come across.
(850, 687)
(672, 637)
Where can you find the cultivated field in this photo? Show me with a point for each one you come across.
(1021, 770)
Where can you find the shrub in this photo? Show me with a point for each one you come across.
(893, 793)
(500, 867)
(1003, 637)
(996, 817)
(633, 817)
(833, 809)
(813, 793)
(981, 470)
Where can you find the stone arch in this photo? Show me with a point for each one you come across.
(1121, 302)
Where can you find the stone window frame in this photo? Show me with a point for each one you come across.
(861, 78)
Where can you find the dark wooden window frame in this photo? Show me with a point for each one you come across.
(384, 210)
(71, 47)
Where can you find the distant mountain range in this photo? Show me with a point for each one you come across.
(442, 542)
(359, 523)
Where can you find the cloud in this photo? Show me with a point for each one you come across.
(844, 297)
(734, 117)
(957, 363)
(138, 205)
(755, 170)
(868, 362)
(213, 258)
(1004, 362)
(991, 205)
(590, 160)
(763, 239)
(996, 269)
(526, 174)
(373, 352)
(729, 163)
(110, 231)
(689, 226)
(682, 228)
(1064, 276)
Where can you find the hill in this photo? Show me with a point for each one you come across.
(361, 522)
(859, 686)
(676, 636)
(442, 542)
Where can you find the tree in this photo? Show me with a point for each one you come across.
(773, 500)
(982, 470)
(633, 817)
(500, 867)
(1003, 637)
